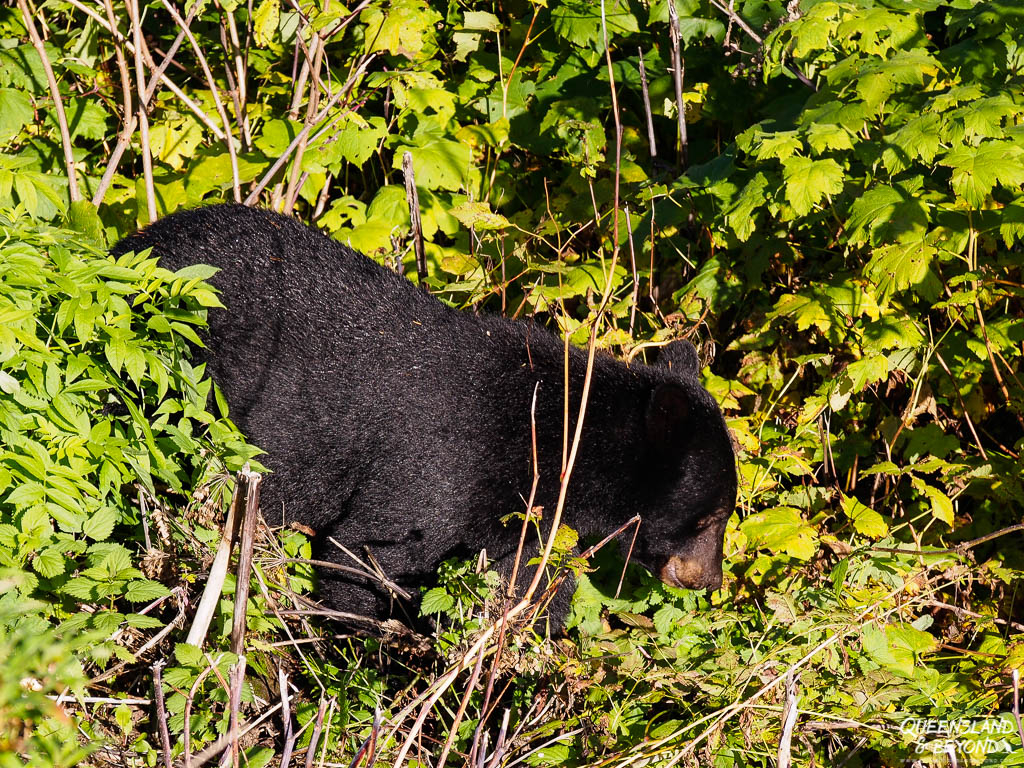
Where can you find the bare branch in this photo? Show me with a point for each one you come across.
(58, 105)
(140, 84)
(229, 139)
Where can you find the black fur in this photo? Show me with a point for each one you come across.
(395, 422)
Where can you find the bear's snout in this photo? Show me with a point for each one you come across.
(691, 573)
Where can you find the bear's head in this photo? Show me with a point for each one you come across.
(690, 471)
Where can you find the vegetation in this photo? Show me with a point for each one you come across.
(826, 194)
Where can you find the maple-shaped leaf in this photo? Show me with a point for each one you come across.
(808, 181)
(977, 170)
(917, 140)
(886, 213)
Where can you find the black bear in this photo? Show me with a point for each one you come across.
(396, 423)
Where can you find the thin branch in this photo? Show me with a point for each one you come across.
(218, 572)
(651, 143)
(735, 17)
(127, 117)
(789, 714)
(161, 715)
(413, 198)
(198, 111)
(140, 84)
(677, 78)
(229, 139)
(304, 133)
(58, 105)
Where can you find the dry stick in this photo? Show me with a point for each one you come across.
(636, 278)
(229, 138)
(251, 482)
(677, 77)
(369, 745)
(629, 556)
(1015, 676)
(510, 592)
(254, 195)
(757, 39)
(240, 94)
(651, 143)
(499, 744)
(127, 117)
(193, 107)
(591, 346)
(218, 570)
(453, 731)
(217, 747)
(58, 105)
(788, 721)
(317, 728)
(161, 714)
(963, 406)
(286, 719)
(327, 731)
(311, 108)
(140, 85)
(365, 573)
(412, 197)
(975, 614)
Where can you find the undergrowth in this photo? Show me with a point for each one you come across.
(830, 200)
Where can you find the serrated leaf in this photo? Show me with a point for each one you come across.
(977, 170)
(919, 139)
(781, 529)
(781, 145)
(49, 563)
(865, 520)
(666, 618)
(100, 524)
(15, 113)
(189, 655)
(145, 590)
(809, 181)
(900, 266)
(885, 213)
(436, 600)
(479, 215)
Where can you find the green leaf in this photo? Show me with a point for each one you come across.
(977, 170)
(145, 590)
(436, 600)
(189, 655)
(438, 161)
(579, 21)
(15, 113)
(808, 181)
(406, 29)
(101, 523)
(480, 216)
(886, 213)
(904, 265)
(781, 529)
(266, 21)
(919, 139)
(49, 563)
(865, 520)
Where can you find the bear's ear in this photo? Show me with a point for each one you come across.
(667, 414)
(681, 358)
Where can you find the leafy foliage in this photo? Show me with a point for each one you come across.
(852, 249)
